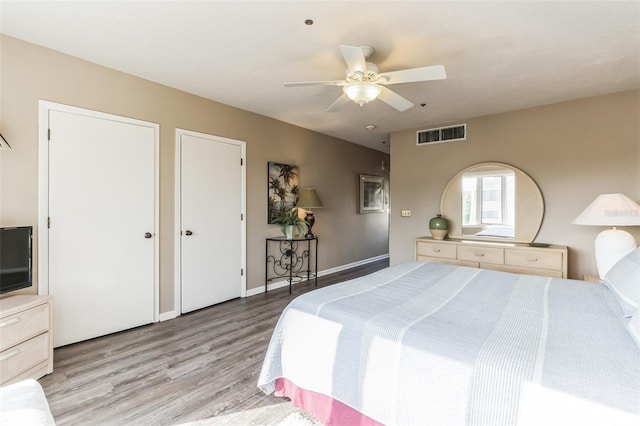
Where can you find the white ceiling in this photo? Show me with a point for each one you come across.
(499, 56)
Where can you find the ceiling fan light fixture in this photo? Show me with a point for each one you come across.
(363, 83)
(362, 92)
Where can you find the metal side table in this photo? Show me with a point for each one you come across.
(292, 260)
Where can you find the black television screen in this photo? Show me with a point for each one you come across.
(15, 258)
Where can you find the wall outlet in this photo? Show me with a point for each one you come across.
(405, 213)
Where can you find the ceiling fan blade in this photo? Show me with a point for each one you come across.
(339, 103)
(354, 58)
(435, 72)
(315, 83)
(392, 98)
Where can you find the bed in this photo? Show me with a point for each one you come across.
(436, 344)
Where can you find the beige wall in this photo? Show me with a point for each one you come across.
(573, 151)
(30, 73)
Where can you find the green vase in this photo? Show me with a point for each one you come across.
(438, 226)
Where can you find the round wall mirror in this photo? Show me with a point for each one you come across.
(493, 201)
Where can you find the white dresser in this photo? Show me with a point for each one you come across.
(26, 343)
(509, 257)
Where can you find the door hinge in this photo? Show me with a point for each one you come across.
(49, 134)
(241, 272)
(48, 222)
(241, 216)
(242, 162)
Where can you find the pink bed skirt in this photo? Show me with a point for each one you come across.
(324, 408)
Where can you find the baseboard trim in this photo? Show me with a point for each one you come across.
(272, 286)
(283, 283)
(352, 265)
(165, 316)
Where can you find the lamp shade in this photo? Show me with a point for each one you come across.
(309, 199)
(610, 210)
(362, 92)
(611, 245)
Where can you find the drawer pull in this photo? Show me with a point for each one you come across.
(480, 254)
(9, 322)
(533, 260)
(9, 354)
(436, 250)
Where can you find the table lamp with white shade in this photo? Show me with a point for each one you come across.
(308, 200)
(611, 245)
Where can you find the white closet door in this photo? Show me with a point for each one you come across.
(211, 187)
(101, 205)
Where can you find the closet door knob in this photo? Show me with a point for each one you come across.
(147, 235)
(187, 232)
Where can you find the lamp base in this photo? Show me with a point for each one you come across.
(310, 219)
(610, 246)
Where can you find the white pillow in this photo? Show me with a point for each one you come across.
(24, 403)
(624, 280)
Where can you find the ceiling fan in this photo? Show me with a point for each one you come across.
(364, 83)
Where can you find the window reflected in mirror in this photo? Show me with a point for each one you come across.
(493, 202)
(488, 203)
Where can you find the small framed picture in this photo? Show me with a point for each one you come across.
(371, 194)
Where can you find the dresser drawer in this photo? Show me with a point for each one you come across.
(481, 254)
(23, 325)
(537, 259)
(443, 251)
(20, 358)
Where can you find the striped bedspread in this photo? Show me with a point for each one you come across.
(434, 344)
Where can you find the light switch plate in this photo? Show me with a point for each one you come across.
(405, 213)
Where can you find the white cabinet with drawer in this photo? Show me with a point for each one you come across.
(509, 257)
(26, 344)
(481, 254)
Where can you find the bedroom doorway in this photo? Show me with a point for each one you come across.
(210, 219)
(98, 221)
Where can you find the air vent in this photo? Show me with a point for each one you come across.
(442, 134)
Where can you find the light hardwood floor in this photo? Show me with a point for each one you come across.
(203, 365)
